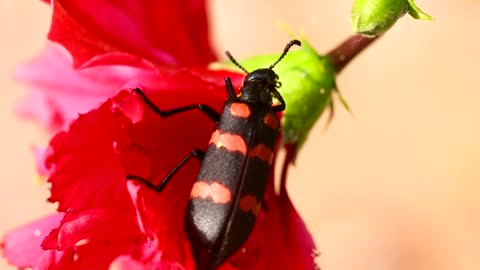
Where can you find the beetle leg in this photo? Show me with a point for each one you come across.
(207, 110)
(281, 106)
(199, 154)
(230, 90)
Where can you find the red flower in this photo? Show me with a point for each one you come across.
(141, 35)
(113, 224)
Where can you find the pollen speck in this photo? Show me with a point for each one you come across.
(115, 145)
(82, 242)
(39, 179)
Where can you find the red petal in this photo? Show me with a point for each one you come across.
(91, 159)
(21, 246)
(293, 233)
(129, 263)
(58, 93)
(279, 240)
(92, 239)
(80, 228)
(162, 32)
(95, 255)
(86, 171)
(107, 251)
(126, 262)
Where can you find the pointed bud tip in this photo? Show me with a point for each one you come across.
(375, 17)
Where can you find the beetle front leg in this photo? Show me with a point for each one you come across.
(207, 110)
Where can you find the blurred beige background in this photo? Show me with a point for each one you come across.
(395, 186)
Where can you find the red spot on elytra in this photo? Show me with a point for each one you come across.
(249, 203)
(240, 110)
(271, 120)
(216, 191)
(262, 152)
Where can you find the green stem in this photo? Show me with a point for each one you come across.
(345, 52)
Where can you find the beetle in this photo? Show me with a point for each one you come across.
(228, 192)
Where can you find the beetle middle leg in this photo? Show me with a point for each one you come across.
(198, 154)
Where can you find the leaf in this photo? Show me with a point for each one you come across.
(416, 12)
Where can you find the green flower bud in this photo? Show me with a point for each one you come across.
(308, 80)
(375, 17)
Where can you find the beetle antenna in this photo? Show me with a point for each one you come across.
(235, 61)
(285, 51)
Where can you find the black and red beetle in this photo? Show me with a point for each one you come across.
(228, 192)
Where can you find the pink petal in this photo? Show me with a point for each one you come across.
(41, 154)
(21, 246)
(58, 93)
(48, 258)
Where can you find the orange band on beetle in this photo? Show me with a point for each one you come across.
(231, 142)
(216, 191)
